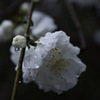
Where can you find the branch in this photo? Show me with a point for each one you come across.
(77, 24)
(19, 70)
(29, 19)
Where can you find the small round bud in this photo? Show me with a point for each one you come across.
(24, 7)
(19, 41)
(7, 27)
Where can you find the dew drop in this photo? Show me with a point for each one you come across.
(25, 21)
(16, 49)
(20, 82)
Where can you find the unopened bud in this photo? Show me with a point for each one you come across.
(19, 41)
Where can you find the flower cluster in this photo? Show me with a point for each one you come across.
(53, 64)
(42, 24)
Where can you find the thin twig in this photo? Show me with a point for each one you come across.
(18, 74)
(19, 70)
(77, 24)
(29, 19)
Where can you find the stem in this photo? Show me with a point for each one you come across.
(77, 23)
(19, 70)
(29, 19)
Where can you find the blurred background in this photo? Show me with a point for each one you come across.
(88, 14)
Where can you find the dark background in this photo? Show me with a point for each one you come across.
(88, 87)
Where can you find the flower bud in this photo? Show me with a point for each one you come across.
(19, 41)
(7, 26)
(24, 7)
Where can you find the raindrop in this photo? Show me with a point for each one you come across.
(16, 49)
(25, 21)
(20, 82)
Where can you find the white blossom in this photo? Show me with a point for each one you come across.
(42, 24)
(19, 41)
(6, 30)
(53, 64)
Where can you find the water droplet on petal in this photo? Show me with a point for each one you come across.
(25, 21)
(16, 49)
(36, 66)
(20, 82)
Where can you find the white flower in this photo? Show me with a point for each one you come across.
(19, 41)
(54, 64)
(6, 29)
(42, 24)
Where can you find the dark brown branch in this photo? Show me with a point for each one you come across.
(19, 70)
(29, 19)
(77, 23)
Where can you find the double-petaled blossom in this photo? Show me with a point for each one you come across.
(53, 64)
